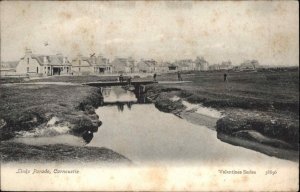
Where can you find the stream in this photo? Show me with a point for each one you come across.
(144, 134)
(139, 131)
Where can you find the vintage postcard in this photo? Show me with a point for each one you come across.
(149, 96)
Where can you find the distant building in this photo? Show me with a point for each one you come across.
(172, 67)
(225, 65)
(43, 65)
(249, 65)
(162, 67)
(133, 65)
(214, 67)
(8, 68)
(124, 65)
(201, 64)
(82, 65)
(91, 65)
(185, 65)
(102, 65)
(147, 66)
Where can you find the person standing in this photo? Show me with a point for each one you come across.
(225, 77)
(154, 77)
(129, 80)
(179, 76)
(121, 78)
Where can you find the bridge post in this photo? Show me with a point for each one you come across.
(143, 88)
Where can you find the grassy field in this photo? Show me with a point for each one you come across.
(265, 102)
(71, 79)
(262, 88)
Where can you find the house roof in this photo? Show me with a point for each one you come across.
(147, 63)
(51, 59)
(55, 60)
(200, 60)
(184, 65)
(87, 59)
(102, 61)
(172, 65)
(117, 62)
(39, 58)
(165, 64)
(225, 64)
(250, 63)
(92, 61)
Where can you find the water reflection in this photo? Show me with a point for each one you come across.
(129, 105)
(120, 96)
(120, 106)
(117, 94)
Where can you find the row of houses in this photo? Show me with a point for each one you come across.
(227, 65)
(47, 65)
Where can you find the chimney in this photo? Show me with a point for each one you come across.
(28, 51)
(45, 60)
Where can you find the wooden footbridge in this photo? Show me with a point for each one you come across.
(119, 83)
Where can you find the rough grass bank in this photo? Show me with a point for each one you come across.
(261, 107)
(26, 108)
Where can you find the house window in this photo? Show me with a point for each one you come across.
(37, 69)
(27, 69)
(79, 62)
(27, 60)
(79, 69)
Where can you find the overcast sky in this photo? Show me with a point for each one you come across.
(218, 31)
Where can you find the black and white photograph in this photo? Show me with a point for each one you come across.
(149, 96)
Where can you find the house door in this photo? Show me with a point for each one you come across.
(101, 70)
(56, 71)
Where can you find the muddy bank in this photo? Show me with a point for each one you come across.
(267, 127)
(22, 153)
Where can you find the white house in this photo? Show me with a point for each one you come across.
(103, 66)
(91, 65)
(82, 65)
(43, 65)
(147, 66)
(124, 65)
